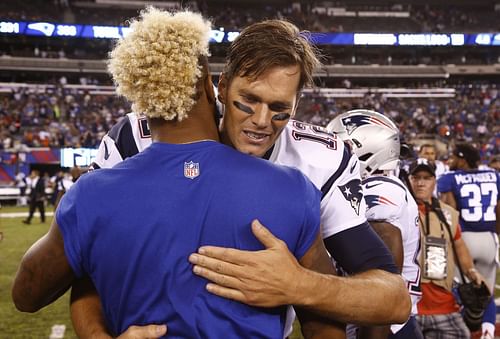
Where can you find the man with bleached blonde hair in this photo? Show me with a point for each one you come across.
(131, 228)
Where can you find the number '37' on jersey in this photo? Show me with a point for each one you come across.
(476, 195)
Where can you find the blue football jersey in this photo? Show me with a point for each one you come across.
(131, 229)
(476, 195)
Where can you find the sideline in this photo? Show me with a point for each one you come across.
(24, 214)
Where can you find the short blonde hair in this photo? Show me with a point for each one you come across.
(156, 65)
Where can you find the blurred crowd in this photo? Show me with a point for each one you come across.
(62, 117)
(471, 116)
(56, 117)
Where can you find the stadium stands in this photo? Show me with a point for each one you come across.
(54, 92)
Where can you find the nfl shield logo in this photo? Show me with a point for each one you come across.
(191, 169)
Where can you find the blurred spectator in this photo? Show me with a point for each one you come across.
(36, 185)
(21, 183)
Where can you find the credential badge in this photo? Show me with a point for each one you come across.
(191, 169)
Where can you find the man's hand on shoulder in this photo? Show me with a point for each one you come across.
(259, 278)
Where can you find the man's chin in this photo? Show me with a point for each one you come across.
(256, 151)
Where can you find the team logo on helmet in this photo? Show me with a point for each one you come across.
(352, 192)
(352, 122)
(191, 169)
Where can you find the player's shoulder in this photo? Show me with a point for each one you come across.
(448, 176)
(121, 127)
(314, 146)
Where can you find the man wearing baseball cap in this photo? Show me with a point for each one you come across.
(438, 312)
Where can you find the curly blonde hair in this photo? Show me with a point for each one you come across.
(156, 65)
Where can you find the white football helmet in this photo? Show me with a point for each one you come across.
(373, 137)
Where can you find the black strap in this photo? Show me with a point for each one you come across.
(437, 209)
(429, 208)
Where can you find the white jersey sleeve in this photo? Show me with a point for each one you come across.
(332, 168)
(107, 154)
(126, 138)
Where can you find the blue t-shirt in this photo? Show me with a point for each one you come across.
(476, 195)
(131, 229)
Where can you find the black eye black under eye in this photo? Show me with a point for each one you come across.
(243, 107)
(281, 116)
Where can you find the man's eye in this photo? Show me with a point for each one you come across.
(281, 116)
(249, 100)
(243, 107)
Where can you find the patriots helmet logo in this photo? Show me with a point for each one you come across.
(352, 122)
(352, 192)
(191, 169)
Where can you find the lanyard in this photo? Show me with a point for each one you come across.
(427, 221)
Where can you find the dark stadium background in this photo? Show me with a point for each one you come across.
(55, 93)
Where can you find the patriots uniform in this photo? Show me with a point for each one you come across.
(388, 200)
(476, 196)
(332, 168)
(126, 138)
(134, 233)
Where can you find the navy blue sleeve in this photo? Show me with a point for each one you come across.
(359, 249)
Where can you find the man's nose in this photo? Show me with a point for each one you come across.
(262, 116)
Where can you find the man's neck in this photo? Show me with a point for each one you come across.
(197, 127)
(424, 201)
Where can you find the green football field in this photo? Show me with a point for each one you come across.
(17, 238)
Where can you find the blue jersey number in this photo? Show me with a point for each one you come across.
(474, 194)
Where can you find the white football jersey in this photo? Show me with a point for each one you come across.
(331, 167)
(388, 200)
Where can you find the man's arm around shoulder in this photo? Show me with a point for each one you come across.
(44, 273)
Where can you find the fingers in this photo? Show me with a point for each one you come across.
(218, 278)
(144, 332)
(214, 264)
(228, 255)
(264, 235)
(227, 293)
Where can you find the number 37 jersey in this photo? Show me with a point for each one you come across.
(476, 195)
